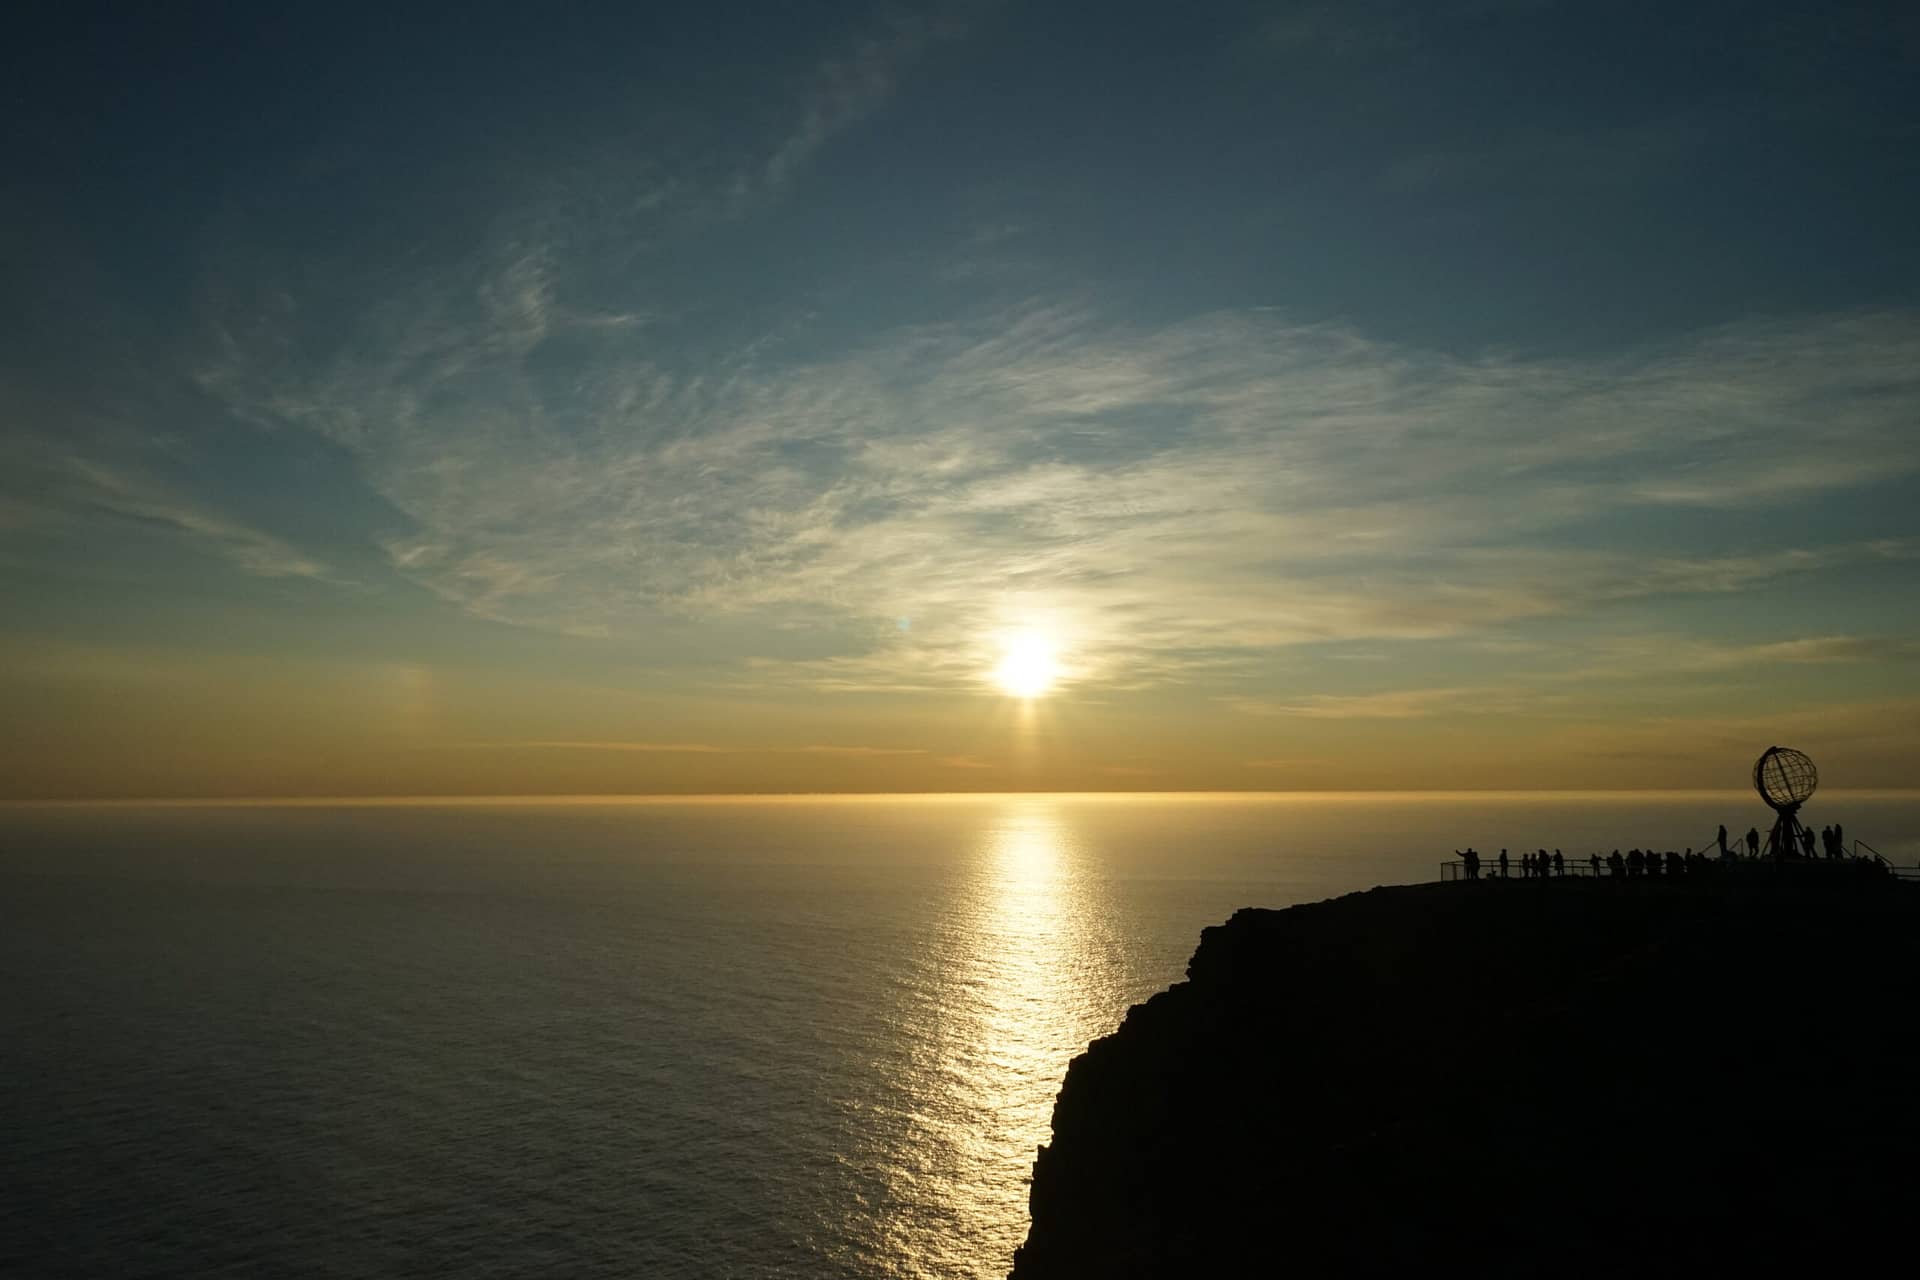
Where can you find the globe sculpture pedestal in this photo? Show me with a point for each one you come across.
(1785, 779)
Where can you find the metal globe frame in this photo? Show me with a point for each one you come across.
(1785, 779)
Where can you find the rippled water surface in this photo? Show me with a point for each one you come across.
(759, 1038)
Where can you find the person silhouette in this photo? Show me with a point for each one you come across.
(1472, 861)
(1753, 842)
(1593, 860)
(1616, 865)
(1503, 864)
(1559, 864)
(1806, 840)
(1722, 838)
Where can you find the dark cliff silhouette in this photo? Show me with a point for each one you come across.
(1571, 1077)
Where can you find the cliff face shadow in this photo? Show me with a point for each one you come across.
(1553, 1077)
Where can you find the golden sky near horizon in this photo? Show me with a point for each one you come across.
(101, 727)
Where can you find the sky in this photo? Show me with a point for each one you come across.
(709, 398)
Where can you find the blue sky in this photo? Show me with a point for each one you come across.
(698, 398)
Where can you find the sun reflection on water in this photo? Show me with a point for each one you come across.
(1025, 985)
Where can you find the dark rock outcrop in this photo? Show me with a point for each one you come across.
(1517, 1078)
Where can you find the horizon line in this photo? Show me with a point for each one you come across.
(666, 797)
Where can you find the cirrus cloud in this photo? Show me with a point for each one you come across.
(1169, 498)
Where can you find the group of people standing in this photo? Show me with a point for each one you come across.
(1638, 863)
(1833, 843)
(1532, 865)
(1646, 863)
(1540, 864)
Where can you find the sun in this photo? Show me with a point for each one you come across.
(1027, 668)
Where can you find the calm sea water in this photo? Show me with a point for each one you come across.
(763, 1038)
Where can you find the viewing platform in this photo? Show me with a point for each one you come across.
(1863, 861)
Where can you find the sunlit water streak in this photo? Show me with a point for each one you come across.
(1025, 988)
(750, 1039)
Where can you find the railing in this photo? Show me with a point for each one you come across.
(1581, 868)
(1898, 873)
(1455, 869)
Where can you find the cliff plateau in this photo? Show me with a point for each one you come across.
(1506, 1078)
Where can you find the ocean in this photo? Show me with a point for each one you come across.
(728, 1038)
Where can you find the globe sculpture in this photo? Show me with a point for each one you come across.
(1785, 779)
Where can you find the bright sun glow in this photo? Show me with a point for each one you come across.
(1027, 668)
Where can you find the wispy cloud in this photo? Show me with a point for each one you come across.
(90, 487)
(1403, 704)
(1170, 499)
(828, 750)
(1558, 687)
(847, 87)
(1868, 743)
(667, 748)
(1653, 655)
(1823, 649)
(693, 748)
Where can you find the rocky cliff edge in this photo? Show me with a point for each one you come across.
(1507, 1078)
